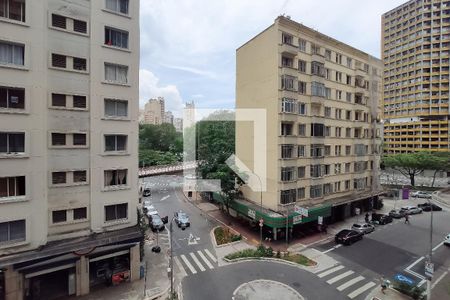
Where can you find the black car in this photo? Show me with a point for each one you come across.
(429, 206)
(156, 223)
(182, 219)
(147, 192)
(382, 219)
(397, 213)
(348, 237)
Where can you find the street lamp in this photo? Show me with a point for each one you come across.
(171, 258)
(431, 250)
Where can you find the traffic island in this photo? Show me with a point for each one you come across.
(265, 290)
(225, 236)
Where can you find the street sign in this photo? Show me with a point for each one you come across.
(403, 278)
(297, 219)
(251, 213)
(320, 220)
(301, 211)
(429, 269)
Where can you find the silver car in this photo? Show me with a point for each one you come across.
(363, 227)
(411, 210)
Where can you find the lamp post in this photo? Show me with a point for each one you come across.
(431, 250)
(171, 259)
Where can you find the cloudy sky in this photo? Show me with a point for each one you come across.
(188, 46)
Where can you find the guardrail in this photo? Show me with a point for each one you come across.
(166, 169)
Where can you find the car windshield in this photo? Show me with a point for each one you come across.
(357, 225)
(156, 220)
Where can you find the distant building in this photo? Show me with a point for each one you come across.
(168, 117)
(189, 113)
(141, 116)
(178, 123)
(154, 111)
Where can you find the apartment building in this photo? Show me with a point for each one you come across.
(68, 145)
(415, 49)
(322, 100)
(154, 111)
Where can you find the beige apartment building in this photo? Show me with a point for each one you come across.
(322, 99)
(68, 146)
(154, 111)
(415, 48)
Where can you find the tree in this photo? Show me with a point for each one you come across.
(409, 164)
(440, 162)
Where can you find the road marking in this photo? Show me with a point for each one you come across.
(331, 249)
(440, 244)
(422, 282)
(349, 283)
(439, 279)
(202, 256)
(328, 272)
(180, 266)
(202, 268)
(361, 290)
(339, 277)
(414, 263)
(186, 261)
(210, 255)
(415, 274)
(164, 198)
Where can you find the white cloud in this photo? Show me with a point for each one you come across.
(150, 87)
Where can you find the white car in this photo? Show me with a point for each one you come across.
(421, 194)
(152, 212)
(363, 227)
(447, 240)
(411, 210)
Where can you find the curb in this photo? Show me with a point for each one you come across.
(276, 260)
(160, 294)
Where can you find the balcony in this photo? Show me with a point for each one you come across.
(318, 57)
(288, 49)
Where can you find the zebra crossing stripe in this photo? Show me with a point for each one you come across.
(339, 277)
(361, 290)
(188, 264)
(180, 266)
(328, 272)
(210, 255)
(202, 268)
(349, 283)
(202, 256)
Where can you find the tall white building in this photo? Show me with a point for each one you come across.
(69, 78)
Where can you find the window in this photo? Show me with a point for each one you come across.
(347, 167)
(12, 54)
(80, 213)
(302, 129)
(348, 96)
(79, 176)
(79, 26)
(288, 105)
(348, 132)
(315, 49)
(116, 38)
(287, 62)
(59, 177)
(327, 130)
(302, 45)
(301, 151)
(288, 196)
(287, 82)
(79, 64)
(337, 168)
(12, 98)
(348, 115)
(327, 112)
(337, 186)
(120, 6)
(116, 212)
(317, 150)
(116, 108)
(287, 38)
(59, 61)
(317, 89)
(338, 131)
(286, 129)
(349, 62)
(59, 21)
(300, 172)
(348, 79)
(115, 177)
(287, 174)
(59, 216)
(327, 150)
(115, 142)
(12, 186)
(328, 54)
(302, 66)
(317, 129)
(287, 151)
(300, 193)
(361, 149)
(338, 58)
(302, 87)
(338, 76)
(359, 184)
(58, 100)
(302, 109)
(79, 101)
(116, 73)
(13, 9)
(58, 139)
(318, 69)
(12, 142)
(327, 188)
(338, 95)
(79, 139)
(315, 191)
(327, 93)
(348, 150)
(316, 171)
(337, 150)
(13, 231)
(338, 113)
(347, 185)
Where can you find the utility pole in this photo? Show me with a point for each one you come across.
(430, 254)
(171, 260)
(287, 225)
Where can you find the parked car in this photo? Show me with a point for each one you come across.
(182, 219)
(447, 240)
(421, 194)
(382, 219)
(151, 212)
(397, 213)
(411, 210)
(156, 223)
(363, 227)
(147, 205)
(347, 237)
(147, 192)
(429, 206)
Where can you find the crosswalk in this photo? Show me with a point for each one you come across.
(346, 281)
(196, 261)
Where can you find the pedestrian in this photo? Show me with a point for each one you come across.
(384, 284)
(367, 218)
(406, 219)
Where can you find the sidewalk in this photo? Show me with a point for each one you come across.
(390, 294)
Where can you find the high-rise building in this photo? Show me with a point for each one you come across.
(415, 50)
(189, 114)
(69, 74)
(154, 111)
(178, 123)
(323, 126)
(168, 117)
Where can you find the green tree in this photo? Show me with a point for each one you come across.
(409, 164)
(440, 161)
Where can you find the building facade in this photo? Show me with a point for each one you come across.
(168, 117)
(323, 106)
(178, 124)
(68, 145)
(189, 114)
(415, 49)
(154, 111)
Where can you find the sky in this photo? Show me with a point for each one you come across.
(188, 47)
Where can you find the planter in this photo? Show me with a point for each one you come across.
(225, 236)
